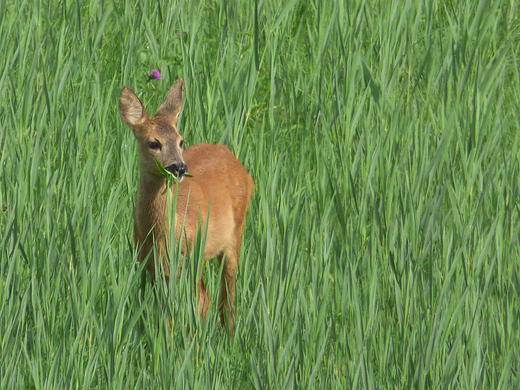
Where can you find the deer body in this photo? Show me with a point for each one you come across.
(219, 182)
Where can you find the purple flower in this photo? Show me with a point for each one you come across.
(154, 75)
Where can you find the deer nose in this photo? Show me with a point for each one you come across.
(177, 169)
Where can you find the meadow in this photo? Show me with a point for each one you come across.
(381, 248)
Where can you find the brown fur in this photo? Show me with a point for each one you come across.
(219, 181)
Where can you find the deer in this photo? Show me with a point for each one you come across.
(214, 196)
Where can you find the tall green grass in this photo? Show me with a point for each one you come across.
(381, 249)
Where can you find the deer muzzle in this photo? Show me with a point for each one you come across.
(178, 170)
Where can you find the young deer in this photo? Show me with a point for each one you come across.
(219, 182)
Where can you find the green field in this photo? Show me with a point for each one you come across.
(381, 248)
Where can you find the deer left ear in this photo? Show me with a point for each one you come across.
(131, 109)
(172, 104)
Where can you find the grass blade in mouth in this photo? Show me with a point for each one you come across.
(169, 177)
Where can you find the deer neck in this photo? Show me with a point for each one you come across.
(150, 209)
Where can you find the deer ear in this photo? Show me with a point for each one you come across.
(172, 105)
(131, 109)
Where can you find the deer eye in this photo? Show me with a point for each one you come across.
(181, 143)
(154, 145)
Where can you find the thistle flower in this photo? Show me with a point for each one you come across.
(155, 75)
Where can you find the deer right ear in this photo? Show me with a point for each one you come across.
(172, 105)
(131, 109)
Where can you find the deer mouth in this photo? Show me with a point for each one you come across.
(177, 170)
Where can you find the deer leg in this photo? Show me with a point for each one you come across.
(202, 299)
(227, 290)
